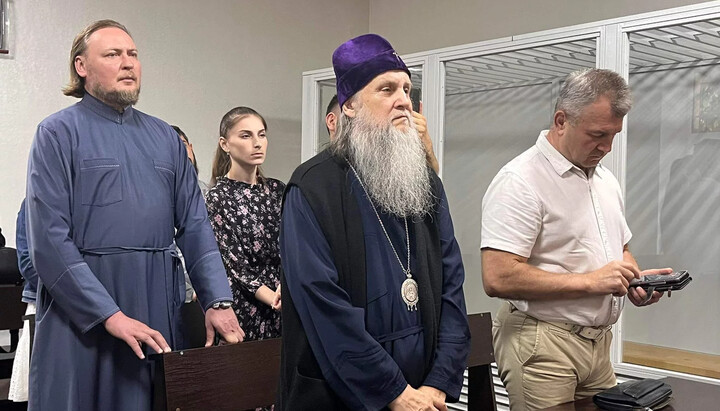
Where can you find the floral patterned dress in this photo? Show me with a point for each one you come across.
(246, 221)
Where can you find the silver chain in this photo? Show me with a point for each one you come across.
(407, 233)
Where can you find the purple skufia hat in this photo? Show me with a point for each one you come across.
(359, 60)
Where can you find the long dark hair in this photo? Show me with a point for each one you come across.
(221, 162)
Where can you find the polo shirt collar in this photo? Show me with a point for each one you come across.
(560, 164)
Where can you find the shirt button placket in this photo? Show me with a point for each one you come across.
(615, 307)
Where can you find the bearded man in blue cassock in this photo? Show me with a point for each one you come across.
(109, 188)
(373, 307)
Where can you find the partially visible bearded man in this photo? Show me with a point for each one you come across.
(373, 307)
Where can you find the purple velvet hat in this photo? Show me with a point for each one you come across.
(359, 60)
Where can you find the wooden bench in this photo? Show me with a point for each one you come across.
(245, 376)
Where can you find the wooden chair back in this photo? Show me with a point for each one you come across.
(245, 376)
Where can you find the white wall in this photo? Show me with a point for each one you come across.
(200, 58)
(418, 25)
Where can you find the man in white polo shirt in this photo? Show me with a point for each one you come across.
(555, 245)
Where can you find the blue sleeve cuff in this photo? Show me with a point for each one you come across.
(29, 296)
(451, 389)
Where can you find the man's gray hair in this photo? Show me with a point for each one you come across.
(584, 87)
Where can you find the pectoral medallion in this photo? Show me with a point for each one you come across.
(409, 292)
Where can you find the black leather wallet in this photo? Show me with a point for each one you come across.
(675, 281)
(638, 395)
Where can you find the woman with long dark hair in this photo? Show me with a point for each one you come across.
(244, 210)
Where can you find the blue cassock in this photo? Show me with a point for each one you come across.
(106, 192)
(368, 357)
(29, 294)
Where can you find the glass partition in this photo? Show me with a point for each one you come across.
(673, 192)
(495, 107)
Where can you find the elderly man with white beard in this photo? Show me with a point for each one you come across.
(373, 307)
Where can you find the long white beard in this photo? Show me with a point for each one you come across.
(391, 164)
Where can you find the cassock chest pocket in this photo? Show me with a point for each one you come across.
(164, 167)
(166, 171)
(375, 291)
(101, 181)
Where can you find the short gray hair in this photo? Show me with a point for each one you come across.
(584, 87)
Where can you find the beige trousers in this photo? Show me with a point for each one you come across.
(543, 365)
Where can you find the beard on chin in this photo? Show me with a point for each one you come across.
(117, 98)
(391, 163)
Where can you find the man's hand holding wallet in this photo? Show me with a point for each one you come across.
(657, 281)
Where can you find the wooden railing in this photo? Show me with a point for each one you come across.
(245, 376)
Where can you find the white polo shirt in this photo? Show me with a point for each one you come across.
(542, 207)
